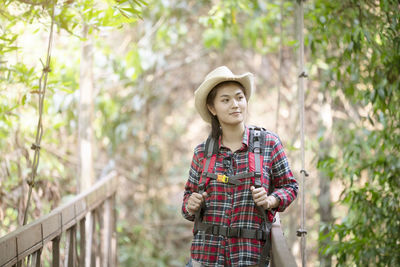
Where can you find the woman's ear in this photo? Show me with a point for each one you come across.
(211, 109)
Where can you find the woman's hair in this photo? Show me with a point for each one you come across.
(216, 130)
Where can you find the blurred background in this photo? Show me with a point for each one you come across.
(126, 72)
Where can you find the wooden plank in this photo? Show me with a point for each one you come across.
(94, 245)
(114, 260)
(8, 248)
(89, 238)
(107, 189)
(56, 252)
(72, 250)
(281, 255)
(101, 194)
(36, 258)
(51, 226)
(107, 231)
(80, 209)
(91, 200)
(102, 241)
(68, 216)
(70, 256)
(29, 240)
(82, 229)
(12, 263)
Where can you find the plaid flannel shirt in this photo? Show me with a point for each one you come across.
(232, 205)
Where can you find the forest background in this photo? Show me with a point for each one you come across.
(140, 62)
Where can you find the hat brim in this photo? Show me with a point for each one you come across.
(246, 80)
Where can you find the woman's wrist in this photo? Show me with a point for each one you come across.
(272, 202)
(188, 210)
(277, 202)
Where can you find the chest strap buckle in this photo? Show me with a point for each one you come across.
(215, 229)
(222, 178)
(234, 232)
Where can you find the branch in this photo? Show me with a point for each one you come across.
(347, 106)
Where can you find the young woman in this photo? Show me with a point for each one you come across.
(239, 178)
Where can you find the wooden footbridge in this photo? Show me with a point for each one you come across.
(64, 232)
(96, 247)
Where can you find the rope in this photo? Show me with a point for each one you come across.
(302, 231)
(280, 67)
(39, 130)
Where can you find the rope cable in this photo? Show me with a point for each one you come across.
(39, 130)
(302, 231)
(280, 66)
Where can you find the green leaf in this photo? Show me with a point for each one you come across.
(23, 100)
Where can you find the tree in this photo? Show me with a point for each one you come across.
(19, 81)
(355, 48)
(361, 52)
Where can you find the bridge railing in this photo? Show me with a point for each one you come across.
(93, 210)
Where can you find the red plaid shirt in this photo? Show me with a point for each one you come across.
(233, 206)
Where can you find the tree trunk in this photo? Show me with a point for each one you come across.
(325, 211)
(324, 197)
(86, 171)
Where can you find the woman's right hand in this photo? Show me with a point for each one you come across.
(195, 201)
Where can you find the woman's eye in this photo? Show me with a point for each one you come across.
(225, 100)
(240, 98)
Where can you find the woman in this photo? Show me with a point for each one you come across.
(239, 178)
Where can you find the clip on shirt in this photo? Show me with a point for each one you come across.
(222, 178)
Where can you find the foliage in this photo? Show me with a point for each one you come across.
(126, 126)
(362, 50)
(358, 57)
(144, 84)
(254, 23)
(29, 21)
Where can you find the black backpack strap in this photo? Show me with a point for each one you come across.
(258, 143)
(211, 148)
(265, 256)
(227, 231)
(257, 156)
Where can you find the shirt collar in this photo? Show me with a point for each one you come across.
(245, 140)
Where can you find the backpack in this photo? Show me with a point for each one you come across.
(256, 144)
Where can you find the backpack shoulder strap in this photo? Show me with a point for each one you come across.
(210, 153)
(211, 147)
(257, 143)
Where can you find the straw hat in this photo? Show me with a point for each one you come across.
(219, 75)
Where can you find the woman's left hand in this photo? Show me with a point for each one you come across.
(261, 198)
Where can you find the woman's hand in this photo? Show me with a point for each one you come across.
(261, 198)
(194, 202)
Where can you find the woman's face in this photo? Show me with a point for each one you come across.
(229, 105)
